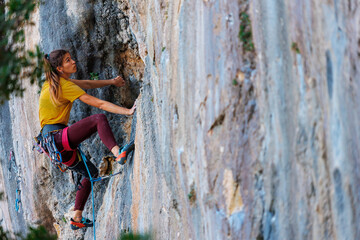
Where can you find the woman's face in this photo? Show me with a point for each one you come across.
(68, 65)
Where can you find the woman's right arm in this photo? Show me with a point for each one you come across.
(89, 84)
(105, 105)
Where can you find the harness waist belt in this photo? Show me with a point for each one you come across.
(64, 140)
(52, 127)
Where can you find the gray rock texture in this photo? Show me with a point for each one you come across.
(232, 142)
(310, 118)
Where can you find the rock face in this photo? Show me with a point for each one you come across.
(237, 136)
(307, 87)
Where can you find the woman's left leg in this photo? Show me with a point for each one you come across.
(82, 195)
(83, 129)
(84, 189)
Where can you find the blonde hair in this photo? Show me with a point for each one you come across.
(51, 62)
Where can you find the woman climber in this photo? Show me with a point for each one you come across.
(57, 96)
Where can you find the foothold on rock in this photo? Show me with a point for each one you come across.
(106, 165)
(233, 198)
(240, 76)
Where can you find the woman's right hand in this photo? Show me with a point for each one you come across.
(118, 81)
(132, 110)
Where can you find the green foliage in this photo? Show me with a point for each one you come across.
(34, 234)
(94, 76)
(17, 63)
(245, 33)
(235, 83)
(163, 49)
(39, 233)
(192, 195)
(134, 236)
(295, 47)
(3, 234)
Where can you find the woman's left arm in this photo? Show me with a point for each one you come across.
(89, 84)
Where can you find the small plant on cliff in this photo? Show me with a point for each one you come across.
(17, 63)
(192, 195)
(94, 76)
(295, 47)
(234, 82)
(245, 33)
(134, 236)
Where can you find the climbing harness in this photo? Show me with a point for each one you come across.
(17, 194)
(12, 165)
(17, 171)
(18, 200)
(18, 191)
(45, 143)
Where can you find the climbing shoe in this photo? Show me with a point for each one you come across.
(83, 223)
(124, 152)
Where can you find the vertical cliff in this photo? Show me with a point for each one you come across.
(307, 91)
(247, 124)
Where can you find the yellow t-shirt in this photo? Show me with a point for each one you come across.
(52, 114)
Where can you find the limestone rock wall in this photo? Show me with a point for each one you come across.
(231, 142)
(193, 121)
(307, 89)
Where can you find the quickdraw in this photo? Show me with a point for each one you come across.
(18, 196)
(12, 165)
(17, 171)
(46, 144)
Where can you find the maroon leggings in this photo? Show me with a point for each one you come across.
(77, 133)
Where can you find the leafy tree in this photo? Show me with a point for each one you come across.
(17, 63)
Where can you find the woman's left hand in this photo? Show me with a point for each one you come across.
(132, 110)
(118, 81)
